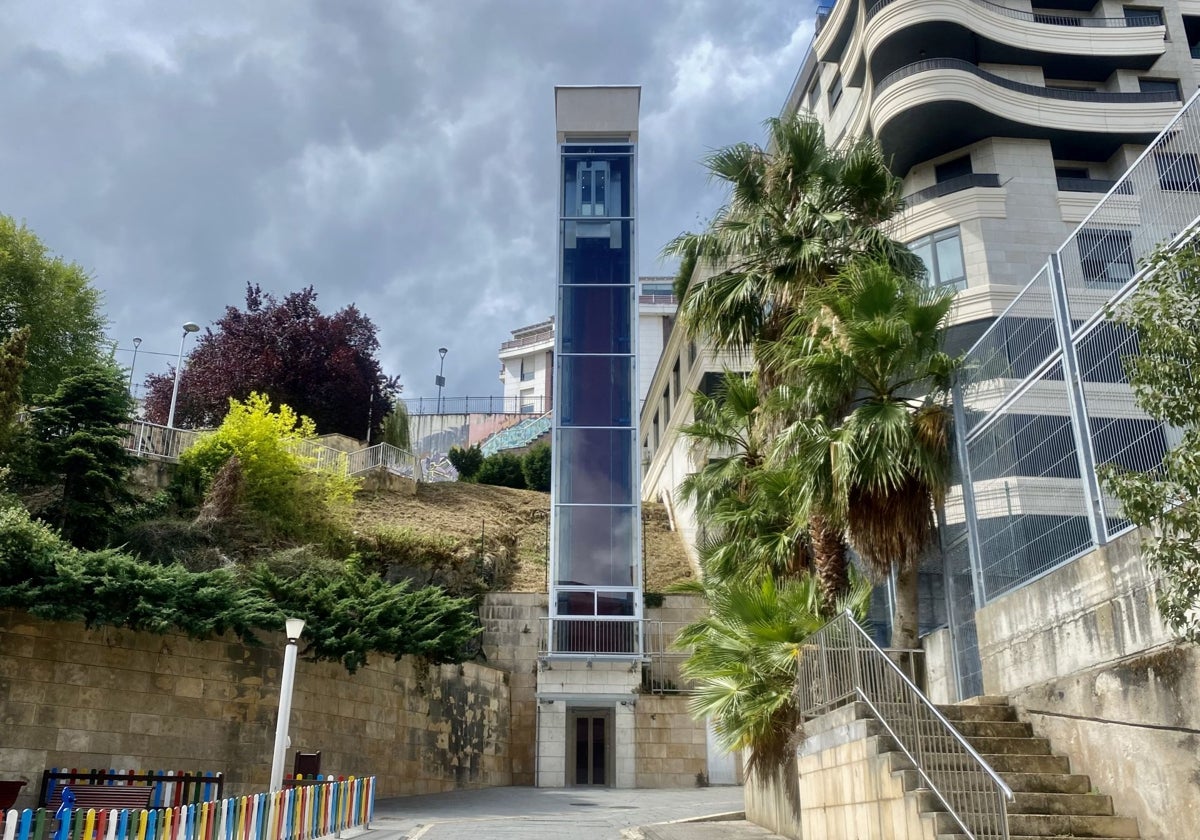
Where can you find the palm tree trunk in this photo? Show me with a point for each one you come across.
(904, 621)
(829, 560)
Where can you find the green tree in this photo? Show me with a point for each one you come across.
(467, 460)
(744, 504)
(394, 429)
(502, 469)
(878, 462)
(12, 367)
(798, 212)
(280, 484)
(744, 657)
(55, 299)
(535, 466)
(78, 448)
(1164, 312)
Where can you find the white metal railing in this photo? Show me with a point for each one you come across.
(150, 440)
(662, 671)
(841, 664)
(591, 636)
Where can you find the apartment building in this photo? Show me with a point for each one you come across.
(527, 368)
(1007, 123)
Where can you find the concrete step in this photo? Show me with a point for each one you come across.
(1046, 783)
(993, 729)
(1055, 825)
(1005, 763)
(1076, 804)
(1011, 746)
(985, 700)
(956, 713)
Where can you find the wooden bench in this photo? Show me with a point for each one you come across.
(106, 797)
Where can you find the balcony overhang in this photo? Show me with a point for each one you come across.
(935, 109)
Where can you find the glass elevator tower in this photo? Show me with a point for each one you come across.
(595, 542)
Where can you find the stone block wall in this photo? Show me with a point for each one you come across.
(73, 697)
(847, 788)
(671, 747)
(511, 627)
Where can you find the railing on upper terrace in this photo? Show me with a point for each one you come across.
(840, 664)
(953, 185)
(1067, 94)
(1135, 18)
(150, 440)
(477, 405)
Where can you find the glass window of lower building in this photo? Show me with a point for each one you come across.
(942, 254)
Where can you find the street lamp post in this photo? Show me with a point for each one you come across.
(137, 342)
(441, 380)
(294, 627)
(188, 327)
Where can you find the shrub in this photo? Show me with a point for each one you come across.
(467, 460)
(535, 466)
(503, 470)
(278, 485)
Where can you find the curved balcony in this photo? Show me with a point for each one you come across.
(988, 33)
(834, 28)
(934, 106)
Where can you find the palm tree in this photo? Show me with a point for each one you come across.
(798, 211)
(744, 658)
(878, 462)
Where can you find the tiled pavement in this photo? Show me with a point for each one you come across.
(549, 814)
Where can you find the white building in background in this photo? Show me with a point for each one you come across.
(527, 368)
(527, 359)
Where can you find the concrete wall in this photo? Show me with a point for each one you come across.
(1086, 659)
(511, 624)
(75, 697)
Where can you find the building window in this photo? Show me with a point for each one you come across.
(1170, 86)
(1178, 171)
(951, 169)
(835, 91)
(942, 255)
(658, 289)
(1106, 255)
(814, 94)
(1143, 16)
(1191, 25)
(526, 371)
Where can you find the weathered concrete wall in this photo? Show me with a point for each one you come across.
(940, 685)
(75, 697)
(1086, 659)
(769, 803)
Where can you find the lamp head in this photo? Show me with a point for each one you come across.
(442, 351)
(190, 327)
(294, 627)
(137, 342)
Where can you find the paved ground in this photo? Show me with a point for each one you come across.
(548, 814)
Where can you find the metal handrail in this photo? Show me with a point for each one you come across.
(1140, 19)
(842, 664)
(1020, 87)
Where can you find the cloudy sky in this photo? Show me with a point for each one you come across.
(397, 154)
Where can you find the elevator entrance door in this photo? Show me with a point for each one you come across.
(589, 741)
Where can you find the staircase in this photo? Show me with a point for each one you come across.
(1048, 800)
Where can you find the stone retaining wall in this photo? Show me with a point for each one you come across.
(73, 697)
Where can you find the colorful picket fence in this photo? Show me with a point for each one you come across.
(312, 810)
(170, 787)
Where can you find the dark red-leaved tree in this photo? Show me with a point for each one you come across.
(323, 366)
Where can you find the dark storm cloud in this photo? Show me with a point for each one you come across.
(398, 155)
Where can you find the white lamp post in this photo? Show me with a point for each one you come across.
(188, 327)
(295, 626)
(440, 380)
(137, 342)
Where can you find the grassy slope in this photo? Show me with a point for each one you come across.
(511, 521)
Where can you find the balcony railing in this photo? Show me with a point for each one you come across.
(953, 185)
(1093, 185)
(1066, 94)
(1149, 17)
(477, 405)
(529, 340)
(618, 637)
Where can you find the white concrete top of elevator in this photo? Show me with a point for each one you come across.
(607, 112)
